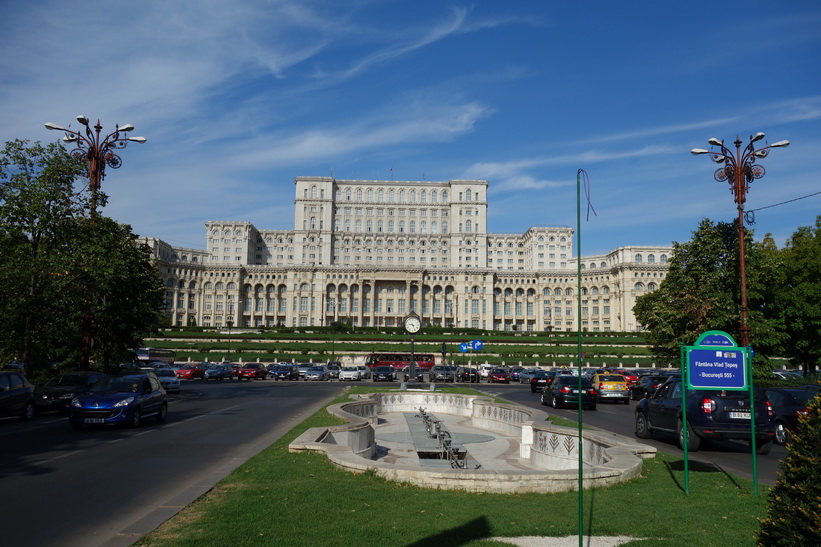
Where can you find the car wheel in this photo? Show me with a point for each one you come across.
(542, 399)
(642, 427)
(163, 413)
(28, 412)
(763, 448)
(693, 440)
(592, 407)
(627, 401)
(136, 416)
(782, 436)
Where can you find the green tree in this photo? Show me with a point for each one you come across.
(116, 280)
(58, 267)
(799, 296)
(37, 207)
(794, 502)
(702, 292)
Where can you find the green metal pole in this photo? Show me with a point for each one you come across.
(749, 373)
(686, 442)
(579, 348)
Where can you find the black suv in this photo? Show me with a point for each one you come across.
(710, 415)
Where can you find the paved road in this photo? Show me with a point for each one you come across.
(108, 486)
(732, 457)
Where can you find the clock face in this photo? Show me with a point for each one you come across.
(413, 324)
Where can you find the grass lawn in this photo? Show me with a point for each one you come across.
(279, 498)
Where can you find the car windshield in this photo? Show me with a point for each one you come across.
(165, 372)
(611, 378)
(499, 371)
(67, 380)
(350, 369)
(123, 384)
(315, 369)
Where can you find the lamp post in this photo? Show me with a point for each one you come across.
(230, 324)
(96, 150)
(739, 170)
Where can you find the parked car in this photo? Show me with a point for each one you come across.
(629, 376)
(711, 414)
(16, 395)
(190, 372)
(418, 373)
(788, 405)
(514, 373)
(350, 374)
(219, 371)
(541, 380)
(527, 374)
(499, 376)
(611, 387)
(334, 367)
(383, 373)
(124, 399)
(303, 368)
(285, 372)
(58, 391)
(253, 371)
(484, 369)
(646, 385)
(364, 372)
(564, 391)
(467, 374)
(317, 372)
(442, 373)
(168, 380)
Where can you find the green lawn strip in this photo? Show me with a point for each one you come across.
(280, 498)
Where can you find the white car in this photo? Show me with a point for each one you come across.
(364, 372)
(350, 373)
(168, 379)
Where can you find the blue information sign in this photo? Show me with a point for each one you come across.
(476, 345)
(716, 368)
(463, 347)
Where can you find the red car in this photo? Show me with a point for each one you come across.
(189, 372)
(499, 376)
(631, 377)
(253, 371)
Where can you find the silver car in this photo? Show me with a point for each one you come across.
(318, 372)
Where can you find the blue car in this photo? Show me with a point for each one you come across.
(125, 399)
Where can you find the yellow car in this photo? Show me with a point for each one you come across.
(611, 387)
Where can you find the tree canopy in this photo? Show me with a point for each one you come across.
(701, 292)
(56, 263)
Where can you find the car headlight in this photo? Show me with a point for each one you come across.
(67, 396)
(76, 402)
(125, 402)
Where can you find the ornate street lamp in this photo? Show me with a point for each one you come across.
(739, 170)
(97, 151)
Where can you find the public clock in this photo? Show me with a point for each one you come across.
(412, 324)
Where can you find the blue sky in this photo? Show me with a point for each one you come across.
(237, 98)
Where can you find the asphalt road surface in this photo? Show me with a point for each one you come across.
(110, 486)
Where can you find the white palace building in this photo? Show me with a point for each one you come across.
(368, 252)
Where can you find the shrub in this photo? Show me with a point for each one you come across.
(794, 503)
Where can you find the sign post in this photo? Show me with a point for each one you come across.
(716, 363)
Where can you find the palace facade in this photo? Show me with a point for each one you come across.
(368, 252)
